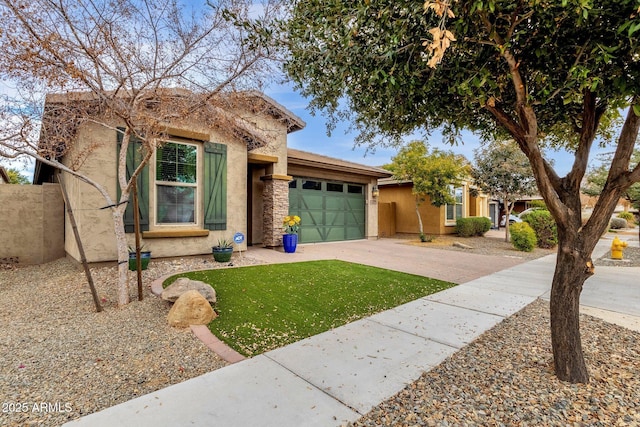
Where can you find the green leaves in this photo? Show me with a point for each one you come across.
(502, 171)
(367, 63)
(433, 173)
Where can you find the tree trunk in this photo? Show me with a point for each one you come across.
(572, 269)
(419, 217)
(507, 208)
(123, 256)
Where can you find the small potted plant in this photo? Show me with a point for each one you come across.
(145, 256)
(291, 225)
(223, 250)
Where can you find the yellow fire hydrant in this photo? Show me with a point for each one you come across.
(617, 246)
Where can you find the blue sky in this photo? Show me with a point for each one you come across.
(313, 138)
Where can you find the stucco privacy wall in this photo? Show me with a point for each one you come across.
(96, 225)
(32, 225)
(404, 215)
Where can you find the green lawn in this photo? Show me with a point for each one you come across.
(265, 307)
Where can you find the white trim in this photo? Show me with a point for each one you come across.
(451, 222)
(197, 185)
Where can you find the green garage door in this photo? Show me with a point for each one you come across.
(329, 211)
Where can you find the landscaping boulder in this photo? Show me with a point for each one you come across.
(183, 284)
(462, 245)
(191, 309)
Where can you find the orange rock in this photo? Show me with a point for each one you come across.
(190, 309)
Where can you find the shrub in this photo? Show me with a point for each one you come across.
(426, 238)
(523, 237)
(538, 204)
(617, 223)
(544, 226)
(627, 216)
(472, 226)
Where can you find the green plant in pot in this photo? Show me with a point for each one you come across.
(223, 250)
(145, 256)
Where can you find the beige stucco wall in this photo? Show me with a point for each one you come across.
(32, 223)
(372, 211)
(96, 226)
(277, 135)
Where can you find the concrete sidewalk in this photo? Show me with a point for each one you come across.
(337, 376)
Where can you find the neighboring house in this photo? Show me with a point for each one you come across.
(397, 209)
(240, 183)
(588, 203)
(524, 203)
(4, 178)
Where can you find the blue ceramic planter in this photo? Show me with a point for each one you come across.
(290, 242)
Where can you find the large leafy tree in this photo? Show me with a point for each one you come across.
(433, 173)
(130, 66)
(536, 71)
(501, 170)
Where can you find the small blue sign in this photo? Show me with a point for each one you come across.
(238, 238)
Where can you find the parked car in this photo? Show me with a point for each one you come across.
(512, 219)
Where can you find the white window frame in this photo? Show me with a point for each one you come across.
(197, 185)
(462, 204)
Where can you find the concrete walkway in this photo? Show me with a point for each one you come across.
(337, 376)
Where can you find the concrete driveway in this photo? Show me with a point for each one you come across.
(395, 254)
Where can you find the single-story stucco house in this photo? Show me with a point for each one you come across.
(397, 214)
(237, 182)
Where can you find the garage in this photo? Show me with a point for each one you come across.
(330, 211)
(335, 199)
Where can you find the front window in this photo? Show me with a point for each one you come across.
(456, 210)
(176, 183)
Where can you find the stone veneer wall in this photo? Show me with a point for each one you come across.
(276, 207)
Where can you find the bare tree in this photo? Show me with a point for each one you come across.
(132, 66)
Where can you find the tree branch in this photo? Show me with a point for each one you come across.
(591, 115)
(619, 178)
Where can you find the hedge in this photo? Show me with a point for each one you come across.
(472, 226)
(523, 237)
(544, 226)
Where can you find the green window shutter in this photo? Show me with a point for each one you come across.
(215, 186)
(134, 157)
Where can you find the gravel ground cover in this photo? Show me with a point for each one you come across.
(497, 246)
(62, 360)
(505, 378)
(482, 246)
(631, 258)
